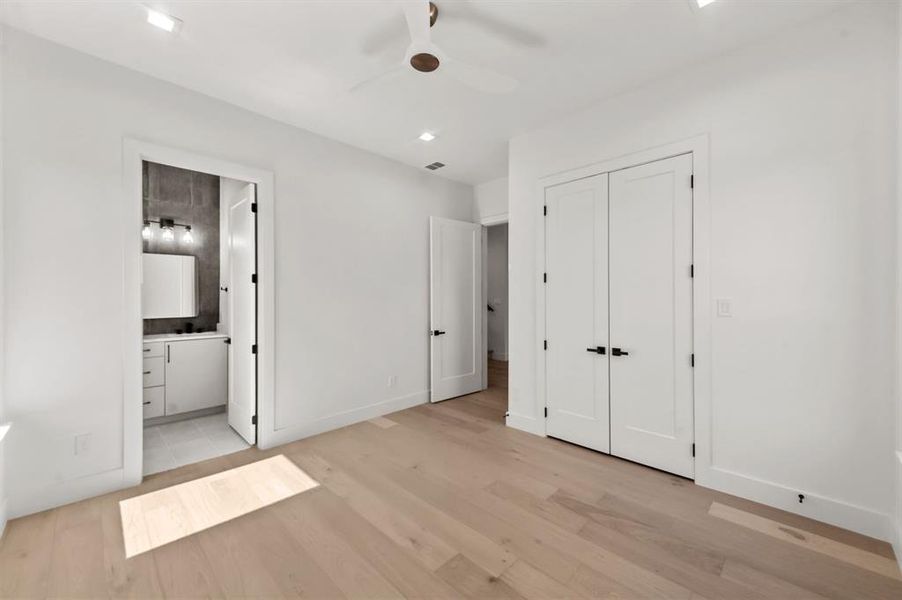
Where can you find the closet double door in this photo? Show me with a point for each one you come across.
(618, 313)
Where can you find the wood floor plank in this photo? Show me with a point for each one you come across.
(422, 544)
(850, 554)
(444, 501)
(25, 555)
(471, 581)
(315, 528)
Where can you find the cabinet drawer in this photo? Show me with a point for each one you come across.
(153, 402)
(153, 372)
(152, 349)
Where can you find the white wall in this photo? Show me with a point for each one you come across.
(802, 178)
(496, 277)
(351, 244)
(490, 199)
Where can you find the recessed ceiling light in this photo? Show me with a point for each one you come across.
(427, 136)
(703, 3)
(162, 20)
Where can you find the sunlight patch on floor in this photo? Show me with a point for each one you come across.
(157, 518)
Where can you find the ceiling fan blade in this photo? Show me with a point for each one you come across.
(479, 78)
(384, 76)
(417, 14)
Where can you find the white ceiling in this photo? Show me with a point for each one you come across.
(295, 61)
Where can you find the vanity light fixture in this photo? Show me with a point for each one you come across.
(147, 232)
(167, 226)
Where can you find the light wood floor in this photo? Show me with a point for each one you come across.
(444, 501)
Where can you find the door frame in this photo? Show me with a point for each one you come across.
(486, 222)
(698, 146)
(134, 152)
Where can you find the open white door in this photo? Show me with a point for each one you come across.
(243, 316)
(456, 308)
(576, 318)
(651, 315)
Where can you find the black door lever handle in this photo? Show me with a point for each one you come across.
(437, 332)
(619, 352)
(597, 349)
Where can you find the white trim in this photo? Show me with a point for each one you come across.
(135, 151)
(498, 219)
(484, 332)
(698, 146)
(828, 510)
(525, 423)
(290, 434)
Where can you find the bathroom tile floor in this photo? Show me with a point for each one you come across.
(184, 442)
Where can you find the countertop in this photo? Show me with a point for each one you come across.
(181, 337)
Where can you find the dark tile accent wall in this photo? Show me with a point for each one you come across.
(192, 198)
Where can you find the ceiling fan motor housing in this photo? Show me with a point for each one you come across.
(424, 62)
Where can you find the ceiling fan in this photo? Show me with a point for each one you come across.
(424, 56)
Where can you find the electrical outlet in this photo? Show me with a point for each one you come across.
(82, 443)
(724, 307)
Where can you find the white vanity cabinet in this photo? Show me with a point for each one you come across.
(183, 373)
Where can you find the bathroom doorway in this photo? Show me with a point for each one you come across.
(201, 325)
(198, 302)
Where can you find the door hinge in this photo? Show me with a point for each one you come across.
(692, 182)
(228, 340)
(693, 450)
(254, 278)
(254, 420)
(545, 344)
(545, 210)
(691, 270)
(253, 207)
(544, 277)
(254, 349)
(546, 412)
(692, 359)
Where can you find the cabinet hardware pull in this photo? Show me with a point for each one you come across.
(146, 403)
(147, 372)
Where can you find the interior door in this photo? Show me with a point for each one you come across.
(576, 322)
(243, 316)
(456, 308)
(651, 315)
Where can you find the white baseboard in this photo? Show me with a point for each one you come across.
(343, 419)
(527, 424)
(835, 512)
(66, 492)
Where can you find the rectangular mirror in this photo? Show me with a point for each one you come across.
(169, 287)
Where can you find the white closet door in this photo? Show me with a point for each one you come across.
(651, 315)
(576, 296)
(456, 306)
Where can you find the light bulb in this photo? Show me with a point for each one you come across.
(168, 235)
(188, 238)
(147, 232)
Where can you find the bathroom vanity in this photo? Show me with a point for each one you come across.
(184, 372)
